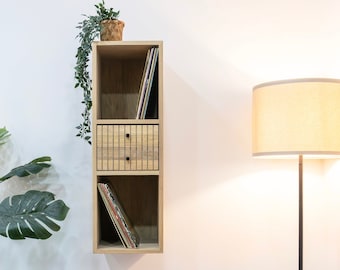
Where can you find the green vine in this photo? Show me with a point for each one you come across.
(90, 29)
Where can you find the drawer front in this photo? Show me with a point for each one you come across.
(127, 147)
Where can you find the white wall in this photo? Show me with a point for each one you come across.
(223, 209)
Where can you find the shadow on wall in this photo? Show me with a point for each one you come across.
(122, 261)
(207, 134)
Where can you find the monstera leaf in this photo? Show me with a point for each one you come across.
(4, 134)
(31, 215)
(34, 167)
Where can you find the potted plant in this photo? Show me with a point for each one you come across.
(103, 25)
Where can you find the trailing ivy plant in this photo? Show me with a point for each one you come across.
(90, 29)
(30, 214)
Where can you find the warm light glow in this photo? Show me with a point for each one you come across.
(297, 117)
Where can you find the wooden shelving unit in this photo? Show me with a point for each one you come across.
(127, 152)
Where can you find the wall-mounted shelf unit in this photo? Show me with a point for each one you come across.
(128, 150)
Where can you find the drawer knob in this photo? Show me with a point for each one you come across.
(127, 135)
(127, 158)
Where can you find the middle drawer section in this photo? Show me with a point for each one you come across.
(127, 147)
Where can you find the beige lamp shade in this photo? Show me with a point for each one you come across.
(297, 117)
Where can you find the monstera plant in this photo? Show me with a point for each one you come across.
(29, 215)
(4, 134)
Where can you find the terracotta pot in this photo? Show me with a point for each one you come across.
(111, 30)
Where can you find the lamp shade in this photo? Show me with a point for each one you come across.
(297, 117)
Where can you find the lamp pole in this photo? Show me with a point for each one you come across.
(300, 212)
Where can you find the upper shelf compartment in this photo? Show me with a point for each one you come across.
(120, 79)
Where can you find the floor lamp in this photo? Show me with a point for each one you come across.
(297, 118)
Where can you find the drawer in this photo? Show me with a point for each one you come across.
(127, 147)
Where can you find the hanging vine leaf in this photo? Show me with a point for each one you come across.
(33, 167)
(30, 215)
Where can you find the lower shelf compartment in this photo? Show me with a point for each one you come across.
(139, 197)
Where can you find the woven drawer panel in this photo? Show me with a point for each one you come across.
(127, 147)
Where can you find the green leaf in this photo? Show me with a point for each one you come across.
(4, 134)
(31, 215)
(33, 167)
